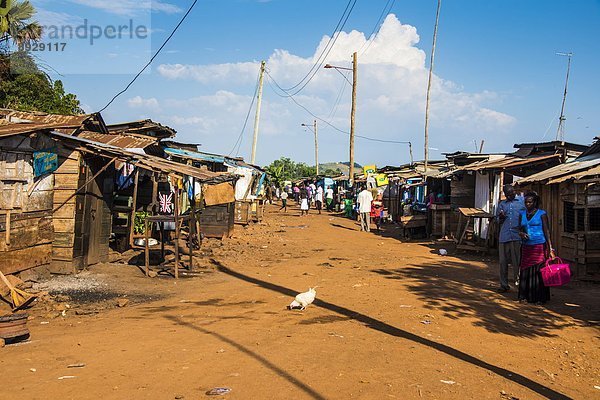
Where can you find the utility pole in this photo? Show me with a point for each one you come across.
(560, 133)
(437, 18)
(257, 118)
(314, 129)
(316, 147)
(353, 112)
(353, 115)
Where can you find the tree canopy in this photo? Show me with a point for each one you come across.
(23, 84)
(286, 169)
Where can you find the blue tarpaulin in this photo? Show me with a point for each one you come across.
(195, 155)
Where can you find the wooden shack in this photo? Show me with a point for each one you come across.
(26, 232)
(570, 193)
(39, 180)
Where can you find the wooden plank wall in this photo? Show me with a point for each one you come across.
(66, 244)
(30, 203)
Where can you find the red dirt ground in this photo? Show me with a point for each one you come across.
(392, 320)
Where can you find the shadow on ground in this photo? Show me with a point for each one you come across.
(387, 329)
(461, 289)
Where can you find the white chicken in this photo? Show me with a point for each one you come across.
(302, 300)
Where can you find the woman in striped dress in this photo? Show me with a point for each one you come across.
(536, 249)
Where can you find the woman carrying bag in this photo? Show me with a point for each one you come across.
(536, 249)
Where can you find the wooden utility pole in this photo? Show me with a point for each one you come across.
(560, 133)
(316, 146)
(257, 118)
(352, 116)
(437, 18)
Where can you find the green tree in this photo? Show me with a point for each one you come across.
(23, 86)
(286, 169)
(17, 25)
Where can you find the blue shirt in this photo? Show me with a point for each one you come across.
(509, 230)
(533, 227)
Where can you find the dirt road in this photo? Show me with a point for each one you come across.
(391, 320)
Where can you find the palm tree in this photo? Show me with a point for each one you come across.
(17, 25)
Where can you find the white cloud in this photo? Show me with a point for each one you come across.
(392, 81)
(130, 7)
(148, 104)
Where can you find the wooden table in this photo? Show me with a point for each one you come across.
(466, 218)
(412, 221)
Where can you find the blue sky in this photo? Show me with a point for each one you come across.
(497, 77)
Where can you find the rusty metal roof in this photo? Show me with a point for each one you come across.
(145, 161)
(509, 162)
(20, 122)
(43, 118)
(11, 129)
(585, 167)
(124, 141)
(143, 127)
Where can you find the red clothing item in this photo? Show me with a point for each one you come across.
(532, 255)
(376, 208)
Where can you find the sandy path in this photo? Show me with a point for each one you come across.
(392, 320)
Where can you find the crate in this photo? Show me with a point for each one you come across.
(243, 212)
(217, 221)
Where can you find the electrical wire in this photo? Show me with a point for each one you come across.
(325, 121)
(337, 101)
(386, 10)
(333, 38)
(153, 57)
(238, 142)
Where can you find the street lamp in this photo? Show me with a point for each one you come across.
(352, 113)
(314, 129)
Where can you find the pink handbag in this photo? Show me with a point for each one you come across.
(558, 274)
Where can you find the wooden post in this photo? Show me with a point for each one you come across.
(146, 248)
(353, 116)
(427, 101)
(133, 207)
(257, 117)
(176, 217)
(192, 224)
(316, 147)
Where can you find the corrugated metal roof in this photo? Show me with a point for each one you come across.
(145, 161)
(577, 169)
(20, 122)
(11, 129)
(587, 174)
(509, 162)
(194, 155)
(143, 127)
(123, 141)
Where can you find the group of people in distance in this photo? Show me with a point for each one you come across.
(306, 195)
(524, 243)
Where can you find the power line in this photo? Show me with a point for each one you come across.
(329, 42)
(238, 142)
(384, 12)
(337, 101)
(153, 57)
(291, 97)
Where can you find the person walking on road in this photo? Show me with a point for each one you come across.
(365, 197)
(537, 248)
(303, 201)
(329, 198)
(284, 197)
(319, 198)
(509, 246)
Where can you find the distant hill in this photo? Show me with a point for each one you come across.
(336, 168)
